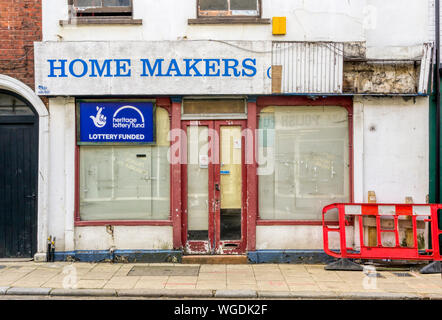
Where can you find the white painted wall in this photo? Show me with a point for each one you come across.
(61, 173)
(297, 238)
(124, 238)
(395, 148)
(392, 29)
(398, 28)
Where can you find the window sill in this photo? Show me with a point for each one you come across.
(100, 21)
(228, 20)
(123, 223)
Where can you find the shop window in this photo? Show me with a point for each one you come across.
(127, 182)
(229, 11)
(84, 8)
(228, 8)
(303, 161)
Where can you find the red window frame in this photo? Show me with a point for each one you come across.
(162, 103)
(345, 102)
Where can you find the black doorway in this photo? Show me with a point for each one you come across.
(18, 177)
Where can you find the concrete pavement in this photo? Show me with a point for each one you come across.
(214, 281)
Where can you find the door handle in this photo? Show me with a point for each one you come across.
(32, 196)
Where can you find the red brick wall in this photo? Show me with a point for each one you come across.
(20, 26)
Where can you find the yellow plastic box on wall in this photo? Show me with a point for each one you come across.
(279, 25)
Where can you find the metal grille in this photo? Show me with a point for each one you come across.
(309, 67)
(374, 275)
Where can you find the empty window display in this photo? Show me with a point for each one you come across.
(303, 161)
(126, 182)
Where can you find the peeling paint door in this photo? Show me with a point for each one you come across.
(18, 178)
(214, 186)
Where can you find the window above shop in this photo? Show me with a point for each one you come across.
(103, 8)
(225, 108)
(228, 12)
(101, 12)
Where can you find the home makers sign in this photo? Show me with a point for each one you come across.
(143, 68)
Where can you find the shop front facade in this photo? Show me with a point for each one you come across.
(161, 148)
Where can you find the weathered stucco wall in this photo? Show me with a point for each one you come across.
(395, 148)
(363, 77)
(124, 238)
(297, 238)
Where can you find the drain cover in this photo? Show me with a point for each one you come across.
(402, 274)
(164, 271)
(374, 275)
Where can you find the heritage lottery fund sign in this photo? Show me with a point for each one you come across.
(141, 68)
(117, 122)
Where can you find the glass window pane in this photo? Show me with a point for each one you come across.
(213, 5)
(12, 106)
(230, 182)
(116, 3)
(126, 182)
(307, 148)
(243, 5)
(202, 106)
(102, 3)
(88, 3)
(197, 183)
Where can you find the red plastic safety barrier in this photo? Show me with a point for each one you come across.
(394, 212)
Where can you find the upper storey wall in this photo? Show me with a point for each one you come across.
(391, 29)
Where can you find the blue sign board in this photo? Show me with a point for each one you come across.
(117, 122)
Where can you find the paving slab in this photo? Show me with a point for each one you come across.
(229, 281)
(313, 295)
